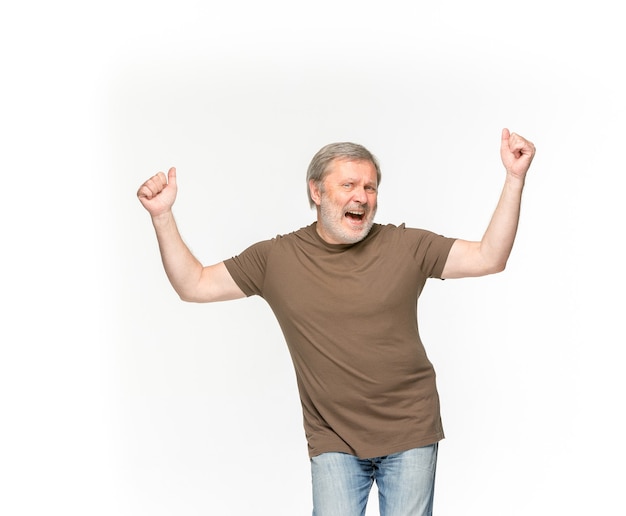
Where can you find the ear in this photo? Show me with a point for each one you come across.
(316, 195)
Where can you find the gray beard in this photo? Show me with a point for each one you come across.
(332, 226)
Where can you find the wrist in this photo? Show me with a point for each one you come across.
(162, 219)
(514, 181)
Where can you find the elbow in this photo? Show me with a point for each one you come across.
(187, 296)
(497, 267)
(495, 263)
(191, 299)
(198, 296)
(491, 266)
(189, 291)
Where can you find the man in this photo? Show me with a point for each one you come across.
(345, 291)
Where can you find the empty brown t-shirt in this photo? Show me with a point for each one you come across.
(349, 317)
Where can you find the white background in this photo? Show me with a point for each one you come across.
(116, 398)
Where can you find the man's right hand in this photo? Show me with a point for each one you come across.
(157, 194)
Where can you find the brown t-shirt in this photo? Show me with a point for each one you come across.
(349, 317)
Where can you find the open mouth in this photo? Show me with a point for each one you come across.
(355, 215)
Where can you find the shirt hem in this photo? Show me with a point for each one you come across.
(374, 451)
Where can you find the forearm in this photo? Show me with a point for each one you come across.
(183, 269)
(497, 241)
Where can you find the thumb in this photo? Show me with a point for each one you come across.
(506, 152)
(506, 134)
(171, 176)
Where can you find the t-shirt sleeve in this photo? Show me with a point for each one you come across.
(248, 268)
(429, 250)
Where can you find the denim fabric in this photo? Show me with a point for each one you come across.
(405, 482)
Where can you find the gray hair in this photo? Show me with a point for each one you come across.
(318, 168)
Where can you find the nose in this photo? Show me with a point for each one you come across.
(360, 195)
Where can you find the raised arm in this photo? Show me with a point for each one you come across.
(191, 280)
(490, 255)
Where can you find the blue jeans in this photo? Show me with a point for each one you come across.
(405, 481)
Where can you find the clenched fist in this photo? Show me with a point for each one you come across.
(157, 194)
(517, 153)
